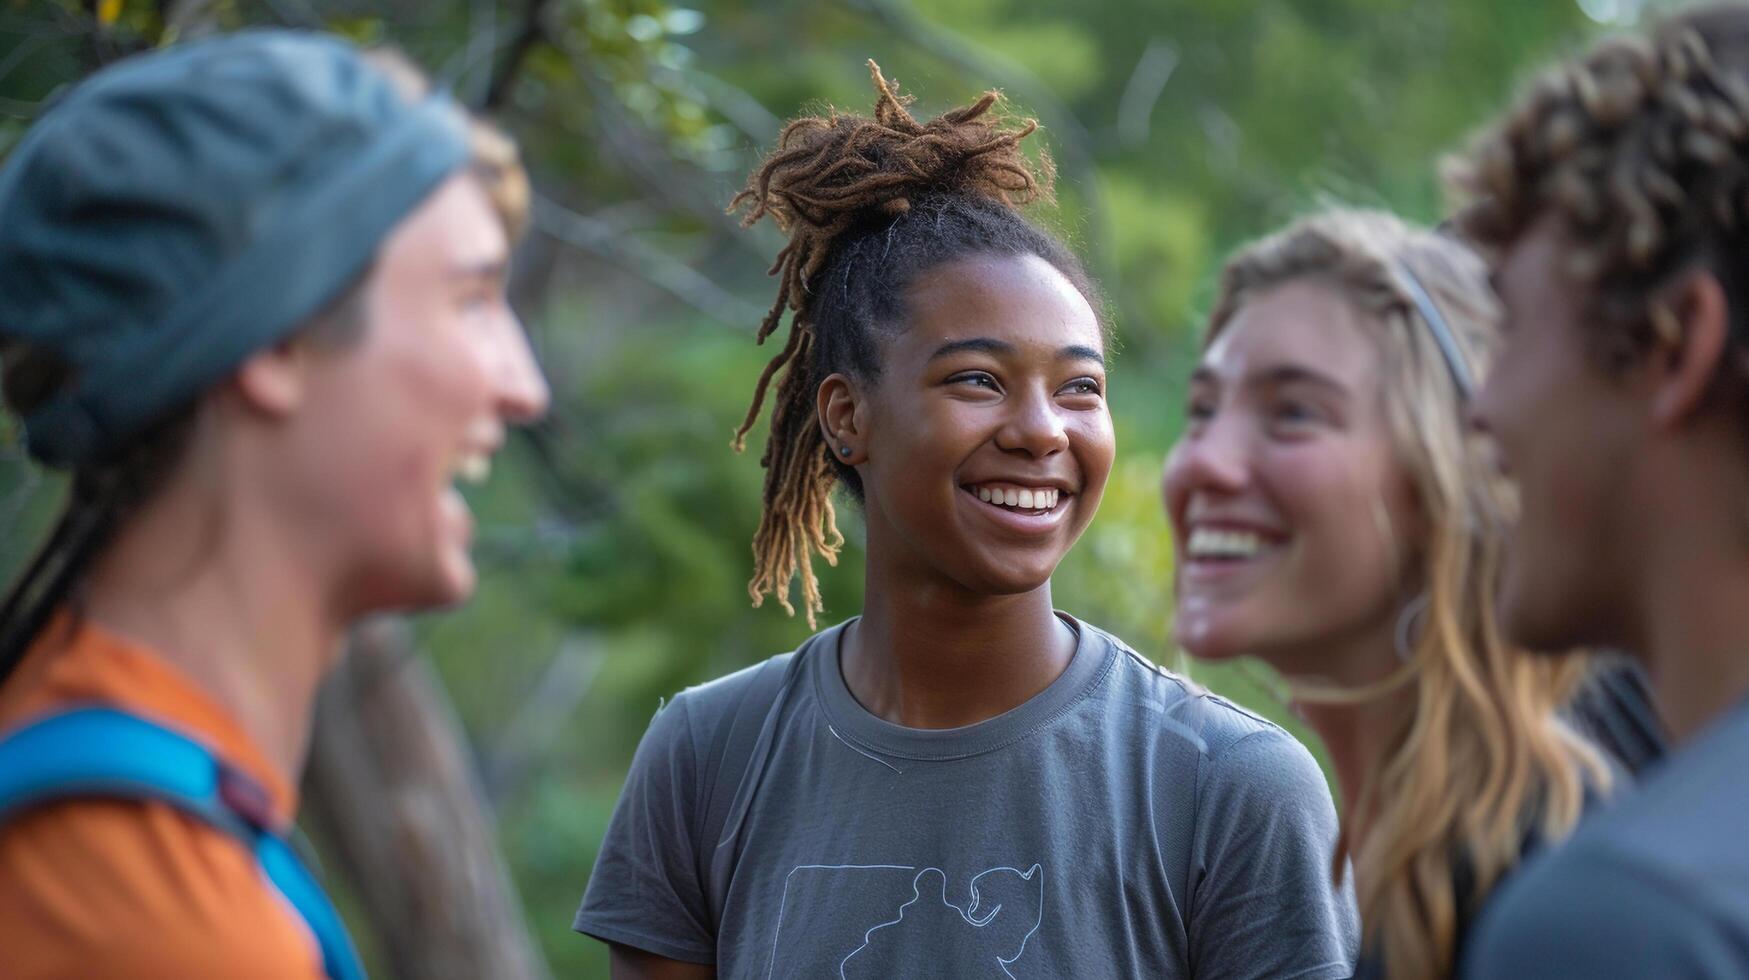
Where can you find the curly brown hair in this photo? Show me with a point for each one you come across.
(1640, 149)
(868, 203)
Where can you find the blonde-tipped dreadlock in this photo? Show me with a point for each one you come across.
(833, 181)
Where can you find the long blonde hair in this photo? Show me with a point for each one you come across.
(1481, 761)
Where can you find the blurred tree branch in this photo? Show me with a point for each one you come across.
(295, 13)
(188, 18)
(18, 497)
(19, 108)
(66, 23)
(746, 113)
(22, 52)
(510, 757)
(606, 241)
(579, 498)
(1142, 92)
(392, 790)
(480, 48)
(531, 32)
(648, 161)
(101, 48)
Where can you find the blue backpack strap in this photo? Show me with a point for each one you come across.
(103, 752)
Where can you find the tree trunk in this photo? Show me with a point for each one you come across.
(393, 795)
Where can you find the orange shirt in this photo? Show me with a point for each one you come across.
(110, 888)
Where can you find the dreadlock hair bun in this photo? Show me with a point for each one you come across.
(868, 202)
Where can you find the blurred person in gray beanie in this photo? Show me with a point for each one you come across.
(252, 301)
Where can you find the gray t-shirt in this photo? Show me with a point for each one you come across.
(1656, 885)
(1121, 823)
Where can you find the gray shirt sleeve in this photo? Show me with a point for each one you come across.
(645, 891)
(1262, 901)
(1592, 917)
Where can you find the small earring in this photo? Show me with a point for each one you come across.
(844, 450)
(1409, 624)
(1665, 325)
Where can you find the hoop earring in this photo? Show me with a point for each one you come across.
(1408, 621)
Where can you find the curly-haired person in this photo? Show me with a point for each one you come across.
(1614, 200)
(961, 781)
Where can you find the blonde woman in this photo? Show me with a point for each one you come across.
(1332, 522)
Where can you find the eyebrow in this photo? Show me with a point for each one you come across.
(484, 269)
(990, 345)
(1283, 374)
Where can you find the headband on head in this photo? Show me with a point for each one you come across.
(1442, 333)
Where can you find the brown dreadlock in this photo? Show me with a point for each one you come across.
(929, 191)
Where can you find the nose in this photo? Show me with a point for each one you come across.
(1212, 456)
(522, 392)
(1034, 426)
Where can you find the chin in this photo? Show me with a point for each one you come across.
(1008, 578)
(1215, 632)
(1210, 645)
(430, 585)
(1532, 629)
(1005, 585)
(456, 583)
(448, 598)
(1527, 622)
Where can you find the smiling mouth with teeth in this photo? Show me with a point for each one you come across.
(472, 468)
(1035, 500)
(1224, 545)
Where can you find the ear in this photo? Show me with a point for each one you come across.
(842, 420)
(273, 381)
(1693, 328)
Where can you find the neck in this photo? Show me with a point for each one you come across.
(1687, 568)
(941, 657)
(1355, 734)
(232, 602)
(1356, 737)
(1695, 641)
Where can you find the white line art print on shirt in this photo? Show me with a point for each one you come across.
(858, 922)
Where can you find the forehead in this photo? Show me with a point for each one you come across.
(1302, 324)
(1021, 299)
(1530, 270)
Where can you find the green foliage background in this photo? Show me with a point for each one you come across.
(615, 537)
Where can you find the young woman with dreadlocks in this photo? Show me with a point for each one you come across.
(961, 781)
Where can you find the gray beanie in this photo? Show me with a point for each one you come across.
(181, 210)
